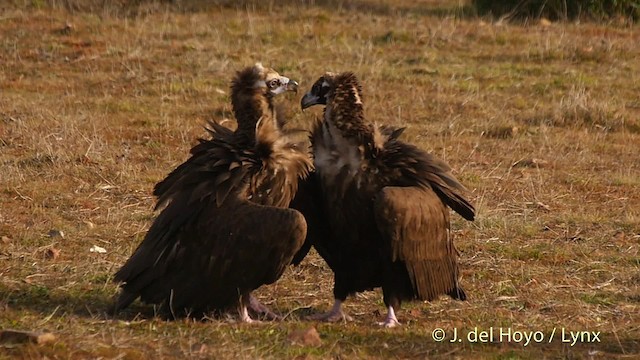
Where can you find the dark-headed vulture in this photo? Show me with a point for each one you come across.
(386, 205)
(224, 229)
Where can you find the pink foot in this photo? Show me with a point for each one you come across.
(262, 310)
(391, 321)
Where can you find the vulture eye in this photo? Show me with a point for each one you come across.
(273, 83)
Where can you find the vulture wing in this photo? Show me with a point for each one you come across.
(200, 154)
(308, 201)
(415, 224)
(220, 253)
(270, 237)
(418, 167)
(205, 208)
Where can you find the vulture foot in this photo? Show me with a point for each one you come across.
(259, 308)
(331, 317)
(391, 321)
(245, 318)
(249, 320)
(336, 314)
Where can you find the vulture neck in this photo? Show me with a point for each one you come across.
(249, 106)
(346, 113)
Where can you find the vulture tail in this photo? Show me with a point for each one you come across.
(458, 294)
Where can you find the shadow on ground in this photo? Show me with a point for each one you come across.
(91, 303)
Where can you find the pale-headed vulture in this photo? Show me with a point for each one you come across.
(224, 229)
(385, 203)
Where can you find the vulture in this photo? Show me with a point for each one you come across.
(225, 227)
(385, 204)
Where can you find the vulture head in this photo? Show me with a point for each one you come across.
(342, 96)
(252, 92)
(319, 91)
(262, 79)
(343, 87)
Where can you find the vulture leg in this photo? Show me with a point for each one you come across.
(243, 312)
(391, 320)
(259, 308)
(336, 314)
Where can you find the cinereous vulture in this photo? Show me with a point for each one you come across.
(225, 228)
(385, 203)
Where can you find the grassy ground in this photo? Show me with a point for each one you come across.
(540, 121)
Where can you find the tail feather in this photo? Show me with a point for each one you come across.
(458, 294)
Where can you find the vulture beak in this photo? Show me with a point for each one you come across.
(309, 99)
(282, 85)
(292, 85)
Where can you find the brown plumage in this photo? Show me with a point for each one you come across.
(252, 93)
(385, 202)
(224, 229)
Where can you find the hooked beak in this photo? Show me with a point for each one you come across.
(285, 84)
(309, 99)
(292, 85)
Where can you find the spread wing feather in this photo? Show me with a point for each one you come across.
(415, 224)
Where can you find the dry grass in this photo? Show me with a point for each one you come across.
(541, 122)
